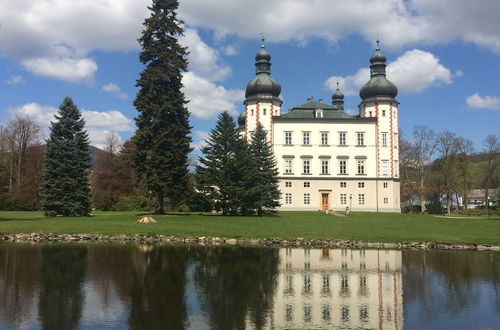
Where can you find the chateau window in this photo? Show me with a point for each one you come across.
(288, 184)
(343, 199)
(361, 199)
(360, 138)
(288, 137)
(370, 113)
(343, 184)
(361, 184)
(386, 185)
(396, 141)
(361, 167)
(383, 113)
(251, 112)
(324, 138)
(344, 314)
(342, 138)
(396, 168)
(307, 184)
(326, 313)
(288, 198)
(264, 112)
(289, 313)
(342, 166)
(288, 166)
(386, 200)
(384, 139)
(307, 314)
(385, 167)
(363, 313)
(306, 166)
(325, 166)
(305, 137)
(307, 198)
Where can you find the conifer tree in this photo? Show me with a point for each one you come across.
(162, 138)
(66, 188)
(226, 173)
(268, 193)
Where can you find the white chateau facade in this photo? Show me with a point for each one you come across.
(328, 159)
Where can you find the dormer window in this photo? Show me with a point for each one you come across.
(319, 113)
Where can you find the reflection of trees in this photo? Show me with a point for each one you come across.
(449, 279)
(19, 275)
(236, 283)
(151, 278)
(62, 274)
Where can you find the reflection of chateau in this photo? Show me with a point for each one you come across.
(325, 289)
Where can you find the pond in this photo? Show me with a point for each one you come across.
(122, 286)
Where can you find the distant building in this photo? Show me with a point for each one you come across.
(476, 197)
(327, 158)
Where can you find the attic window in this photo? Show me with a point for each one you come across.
(319, 113)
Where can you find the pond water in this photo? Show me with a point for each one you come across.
(122, 286)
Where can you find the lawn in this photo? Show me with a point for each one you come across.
(370, 227)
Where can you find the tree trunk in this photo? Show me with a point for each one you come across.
(422, 198)
(159, 203)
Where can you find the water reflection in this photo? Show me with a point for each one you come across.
(328, 288)
(192, 287)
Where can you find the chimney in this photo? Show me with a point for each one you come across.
(309, 99)
(320, 100)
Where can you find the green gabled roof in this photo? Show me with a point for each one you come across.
(327, 114)
(313, 105)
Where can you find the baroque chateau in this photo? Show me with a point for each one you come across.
(327, 158)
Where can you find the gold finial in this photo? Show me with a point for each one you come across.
(262, 38)
(378, 45)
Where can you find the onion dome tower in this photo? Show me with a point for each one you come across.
(379, 104)
(338, 99)
(262, 100)
(378, 87)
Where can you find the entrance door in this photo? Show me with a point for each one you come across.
(324, 201)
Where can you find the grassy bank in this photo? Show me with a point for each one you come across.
(370, 227)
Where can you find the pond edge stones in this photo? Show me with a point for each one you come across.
(272, 241)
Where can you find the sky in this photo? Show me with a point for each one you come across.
(444, 57)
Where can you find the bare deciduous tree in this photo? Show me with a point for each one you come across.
(25, 132)
(491, 148)
(447, 148)
(423, 147)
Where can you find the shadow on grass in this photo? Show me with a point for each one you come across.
(20, 219)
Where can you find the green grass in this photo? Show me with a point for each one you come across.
(371, 227)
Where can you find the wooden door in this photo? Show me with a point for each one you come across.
(324, 201)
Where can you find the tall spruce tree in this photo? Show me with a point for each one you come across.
(268, 193)
(162, 138)
(66, 188)
(226, 172)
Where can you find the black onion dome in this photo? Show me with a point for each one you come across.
(262, 54)
(263, 83)
(378, 85)
(338, 95)
(241, 119)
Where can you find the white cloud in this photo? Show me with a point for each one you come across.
(15, 80)
(230, 50)
(203, 59)
(67, 69)
(115, 90)
(200, 138)
(412, 72)
(396, 22)
(207, 99)
(476, 101)
(98, 124)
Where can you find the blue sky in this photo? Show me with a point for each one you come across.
(444, 56)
